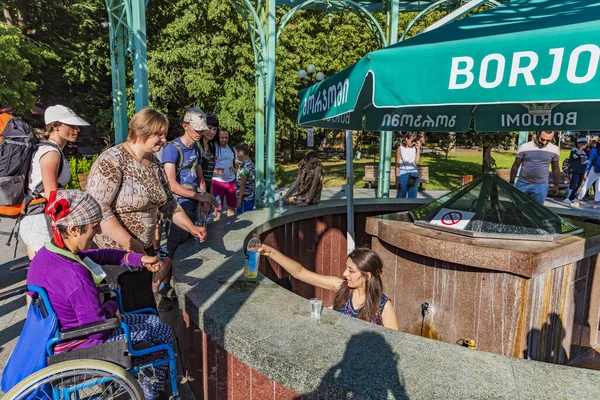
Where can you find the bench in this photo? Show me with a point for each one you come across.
(372, 175)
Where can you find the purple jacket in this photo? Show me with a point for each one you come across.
(71, 289)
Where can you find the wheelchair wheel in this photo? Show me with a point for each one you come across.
(78, 379)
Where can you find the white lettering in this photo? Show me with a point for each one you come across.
(516, 120)
(387, 118)
(571, 118)
(461, 66)
(556, 66)
(592, 67)
(485, 63)
(396, 120)
(516, 69)
(558, 118)
(526, 119)
(546, 120)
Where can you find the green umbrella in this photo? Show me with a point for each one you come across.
(525, 65)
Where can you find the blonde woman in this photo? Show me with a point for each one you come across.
(131, 186)
(49, 171)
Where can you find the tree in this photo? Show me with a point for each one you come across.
(488, 141)
(19, 56)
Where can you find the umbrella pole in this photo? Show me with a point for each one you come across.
(349, 190)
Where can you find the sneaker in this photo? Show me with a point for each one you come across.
(567, 201)
(168, 292)
(576, 204)
(162, 303)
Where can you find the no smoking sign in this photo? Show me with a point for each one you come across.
(455, 219)
(452, 218)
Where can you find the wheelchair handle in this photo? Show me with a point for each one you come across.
(19, 267)
(14, 292)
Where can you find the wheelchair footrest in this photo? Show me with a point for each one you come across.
(115, 352)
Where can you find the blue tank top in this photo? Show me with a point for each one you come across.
(349, 309)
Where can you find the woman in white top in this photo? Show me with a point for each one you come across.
(49, 171)
(408, 157)
(223, 181)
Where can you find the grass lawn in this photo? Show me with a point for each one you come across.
(443, 174)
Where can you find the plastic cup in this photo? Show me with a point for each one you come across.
(316, 305)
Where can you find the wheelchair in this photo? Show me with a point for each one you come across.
(105, 371)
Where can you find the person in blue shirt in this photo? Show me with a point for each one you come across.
(182, 159)
(591, 176)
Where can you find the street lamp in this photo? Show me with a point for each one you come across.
(308, 77)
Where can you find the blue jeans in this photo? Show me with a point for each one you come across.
(538, 191)
(405, 191)
(247, 205)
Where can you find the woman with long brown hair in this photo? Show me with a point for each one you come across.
(359, 293)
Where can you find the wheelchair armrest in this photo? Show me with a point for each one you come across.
(88, 329)
(13, 292)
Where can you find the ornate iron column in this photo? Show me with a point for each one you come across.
(127, 20)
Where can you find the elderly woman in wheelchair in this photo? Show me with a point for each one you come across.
(66, 274)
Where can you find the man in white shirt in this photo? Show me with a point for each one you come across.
(534, 158)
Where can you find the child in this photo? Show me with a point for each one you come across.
(245, 180)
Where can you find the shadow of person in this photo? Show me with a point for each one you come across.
(369, 370)
(546, 344)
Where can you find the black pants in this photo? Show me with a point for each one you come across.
(176, 235)
(575, 182)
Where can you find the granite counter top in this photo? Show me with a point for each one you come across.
(270, 329)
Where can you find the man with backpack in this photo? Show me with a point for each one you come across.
(181, 159)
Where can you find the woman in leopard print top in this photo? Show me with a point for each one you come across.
(131, 186)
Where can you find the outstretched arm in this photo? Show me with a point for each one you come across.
(299, 272)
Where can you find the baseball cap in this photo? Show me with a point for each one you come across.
(582, 140)
(63, 114)
(196, 118)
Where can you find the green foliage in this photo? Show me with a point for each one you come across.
(78, 166)
(19, 56)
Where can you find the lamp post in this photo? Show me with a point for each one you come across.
(308, 77)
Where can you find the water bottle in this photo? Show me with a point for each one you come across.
(280, 208)
(252, 258)
(201, 218)
(218, 202)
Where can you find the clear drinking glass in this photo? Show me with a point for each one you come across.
(316, 305)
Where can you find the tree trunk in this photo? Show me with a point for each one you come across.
(292, 147)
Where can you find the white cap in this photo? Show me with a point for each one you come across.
(196, 118)
(63, 114)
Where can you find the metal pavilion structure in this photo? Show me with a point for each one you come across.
(127, 20)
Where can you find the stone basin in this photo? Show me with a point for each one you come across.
(254, 339)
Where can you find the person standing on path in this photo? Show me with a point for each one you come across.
(132, 187)
(245, 180)
(181, 159)
(49, 171)
(591, 176)
(534, 158)
(207, 149)
(223, 181)
(408, 157)
(578, 162)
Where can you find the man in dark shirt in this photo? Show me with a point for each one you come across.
(578, 161)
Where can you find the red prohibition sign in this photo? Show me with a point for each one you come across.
(452, 218)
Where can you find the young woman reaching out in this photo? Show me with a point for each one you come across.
(359, 293)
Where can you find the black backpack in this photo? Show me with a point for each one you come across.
(17, 146)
